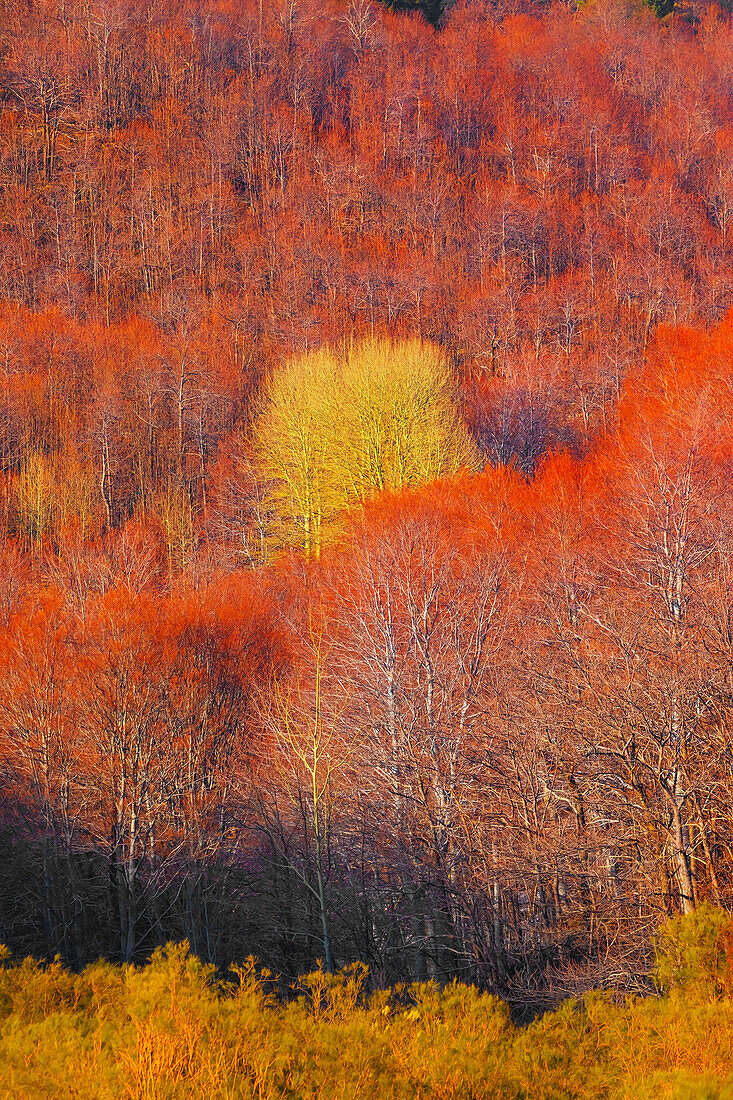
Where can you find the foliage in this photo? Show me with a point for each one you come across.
(661, 8)
(433, 10)
(340, 427)
(693, 953)
(171, 1029)
(517, 228)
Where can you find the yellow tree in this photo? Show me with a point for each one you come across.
(340, 426)
(291, 445)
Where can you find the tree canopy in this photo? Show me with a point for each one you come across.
(340, 426)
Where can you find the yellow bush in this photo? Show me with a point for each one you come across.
(172, 1030)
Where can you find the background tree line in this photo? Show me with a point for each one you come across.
(190, 195)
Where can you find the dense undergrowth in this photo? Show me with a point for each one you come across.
(171, 1028)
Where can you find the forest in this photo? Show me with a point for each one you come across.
(366, 518)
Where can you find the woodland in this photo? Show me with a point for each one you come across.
(366, 521)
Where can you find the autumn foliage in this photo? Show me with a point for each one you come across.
(366, 526)
(172, 1028)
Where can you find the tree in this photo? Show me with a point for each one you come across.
(39, 752)
(121, 689)
(415, 615)
(308, 751)
(340, 427)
